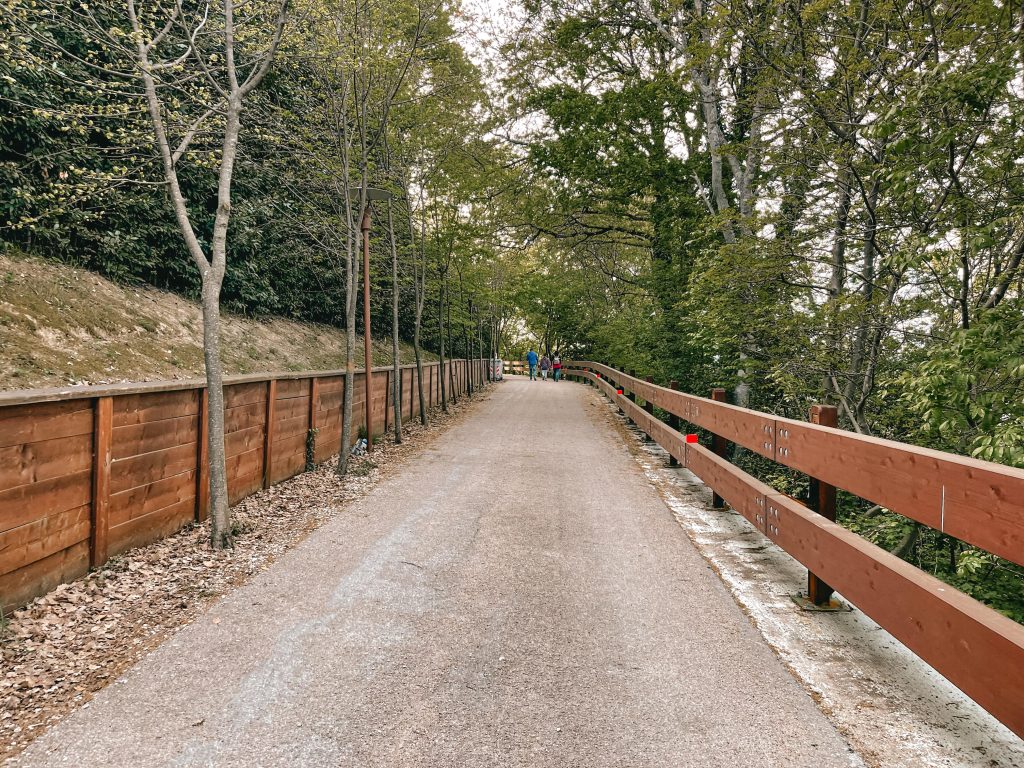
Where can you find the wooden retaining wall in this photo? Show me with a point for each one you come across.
(89, 472)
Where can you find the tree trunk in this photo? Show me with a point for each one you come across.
(396, 379)
(220, 517)
(352, 280)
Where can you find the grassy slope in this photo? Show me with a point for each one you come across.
(60, 325)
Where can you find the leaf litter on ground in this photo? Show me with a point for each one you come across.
(63, 647)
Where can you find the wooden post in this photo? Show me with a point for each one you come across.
(630, 393)
(648, 405)
(388, 399)
(203, 458)
(103, 424)
(821, 497)
(674, 423)
(719, 446)
(314, 400)
(268, 431)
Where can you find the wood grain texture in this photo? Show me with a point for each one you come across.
(101, 485)
(977, 649)
(151, 440)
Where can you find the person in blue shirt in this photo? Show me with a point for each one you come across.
(531, 360)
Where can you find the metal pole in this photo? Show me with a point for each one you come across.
(367, 341)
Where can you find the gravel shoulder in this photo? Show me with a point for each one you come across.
(520, 595)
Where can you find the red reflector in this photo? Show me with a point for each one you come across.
(691, 438)
(619, 390)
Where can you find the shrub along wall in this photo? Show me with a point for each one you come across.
(89, 472)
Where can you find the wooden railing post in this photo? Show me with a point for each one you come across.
(388, 399)
(821, 497)
(630, 393)
(314, 398)
(648, 405)
(719, 446)
(203, 458)
(674, 422)
(268, 431)
(103, 424)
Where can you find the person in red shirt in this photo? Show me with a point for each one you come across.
(556, 366)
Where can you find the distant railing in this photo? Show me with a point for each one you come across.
(976, 648)
(88, 472)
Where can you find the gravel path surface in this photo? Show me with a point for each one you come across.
(459, 616)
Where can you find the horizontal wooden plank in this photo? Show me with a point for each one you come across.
(244, 417)
(139, 439)
(44, 460)
(296, 426)
(332, 385)
(245, 464)
(152, 497)
(137, 471)
(38, 578)
(744, 493)
(290, 408)
(39, 539)
(977, 649)
(146, 529)
(26, 503)
(976, 501)
(291, 388)
(46, 421)
(154, 406)
(245, 394)
(243, 441)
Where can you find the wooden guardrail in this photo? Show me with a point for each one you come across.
(976, 648)
(88, 472)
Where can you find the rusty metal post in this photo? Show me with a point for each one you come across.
(821, 497)
(719, 446)
(674, 422)
(367, 342)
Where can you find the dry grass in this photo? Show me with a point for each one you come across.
(60, 325)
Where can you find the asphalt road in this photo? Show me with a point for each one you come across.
(519, 595)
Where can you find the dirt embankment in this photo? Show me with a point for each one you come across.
(60, 325)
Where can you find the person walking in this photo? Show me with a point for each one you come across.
(545, 365)
(556, 367)
(531, 360)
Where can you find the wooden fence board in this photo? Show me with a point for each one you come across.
(155, 406)
(141, 470)
(243, 440)
(29, 463)
(975, 501)
(977, 649)
(237, 395)
(22, 424)
(288, 389)
(137, 439)
(20, 586)
(146, 529)
(41, 538)
(25, 503)
(147, 499)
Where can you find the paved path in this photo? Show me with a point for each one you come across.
(457, 616)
